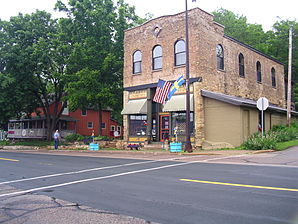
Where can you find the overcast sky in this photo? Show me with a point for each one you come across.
(264, 12)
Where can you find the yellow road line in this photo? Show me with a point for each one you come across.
(240, 185)
(14, 160)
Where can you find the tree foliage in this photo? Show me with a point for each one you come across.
(20, 38)
(274, 43)
(96, 28)
(77, 59)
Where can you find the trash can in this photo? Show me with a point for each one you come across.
(176, 147)
(94, 147)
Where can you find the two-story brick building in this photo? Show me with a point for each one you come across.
(226, 79)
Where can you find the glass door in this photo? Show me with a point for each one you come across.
(164, 127)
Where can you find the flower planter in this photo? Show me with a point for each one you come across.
(176, 147)
(94, 147)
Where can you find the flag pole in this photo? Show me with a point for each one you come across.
(188, 146)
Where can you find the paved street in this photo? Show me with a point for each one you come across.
(162, 188)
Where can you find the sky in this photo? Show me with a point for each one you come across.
(264, 12)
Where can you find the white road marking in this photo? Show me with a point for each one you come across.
(93, 179)
(75, 172)
(90, 170)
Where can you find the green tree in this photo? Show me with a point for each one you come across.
(34, 60)
(96, 28)
(237, 27)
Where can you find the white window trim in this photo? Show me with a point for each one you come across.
(104, 124)
(83, 115)
(88, 125)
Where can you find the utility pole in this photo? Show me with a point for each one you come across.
(188, 146)
(289, 101)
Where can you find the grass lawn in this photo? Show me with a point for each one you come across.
(285, 145)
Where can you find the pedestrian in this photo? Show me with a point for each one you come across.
(56, 139)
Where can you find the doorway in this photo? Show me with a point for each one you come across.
(164, 127)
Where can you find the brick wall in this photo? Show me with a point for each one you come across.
(204, 36)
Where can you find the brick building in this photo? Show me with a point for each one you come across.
(226, 79)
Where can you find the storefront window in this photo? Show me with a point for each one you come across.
(137, 125)
(179, 122)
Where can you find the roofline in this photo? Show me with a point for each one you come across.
(171, 15)
(239, 101)
(252, 49)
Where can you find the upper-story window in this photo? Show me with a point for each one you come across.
(137, 62)
(241, 65)
(220, 57)
(180, 53)
(259, 72)
(157, 57)
(84, 112)
(273, 77)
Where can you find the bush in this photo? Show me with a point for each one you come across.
(257, 142)
(284, 133)
(5, 142)
(74, 137)
(101, 138)
(279, 133)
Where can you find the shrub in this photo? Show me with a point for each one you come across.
(284, 133)
(279, 133)
(101, 138)
(74, 137)
(257, 142)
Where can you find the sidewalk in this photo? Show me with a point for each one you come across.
(151, 154)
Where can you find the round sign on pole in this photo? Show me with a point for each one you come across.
(262, 103)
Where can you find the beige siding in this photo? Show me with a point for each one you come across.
(277, 119)
(222, 122)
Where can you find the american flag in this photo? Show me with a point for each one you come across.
(162, 91)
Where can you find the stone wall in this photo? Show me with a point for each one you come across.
(204, 36)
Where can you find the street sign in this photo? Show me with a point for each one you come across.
(262, 103)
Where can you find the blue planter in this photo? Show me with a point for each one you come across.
(176, 147)
(93, 147)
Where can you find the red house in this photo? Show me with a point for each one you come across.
(83, 122)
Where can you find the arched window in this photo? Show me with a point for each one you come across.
(241, 65)
(137, 62)
(273, 77)
(180, 53)
(259, 72)
(220, 57)
(157, 57)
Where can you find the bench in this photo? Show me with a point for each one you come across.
(133, 146)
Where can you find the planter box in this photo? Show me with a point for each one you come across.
(94, 147)
(176, 147)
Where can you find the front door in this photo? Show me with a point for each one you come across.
(164, 127)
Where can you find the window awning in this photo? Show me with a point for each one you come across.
(135, 107)
(178, 103)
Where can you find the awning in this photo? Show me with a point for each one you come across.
(178, 103)
(135, 107)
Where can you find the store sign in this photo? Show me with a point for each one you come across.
(139, 94)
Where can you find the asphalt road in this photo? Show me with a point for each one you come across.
(162, 191)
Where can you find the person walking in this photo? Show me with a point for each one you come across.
(56, 139)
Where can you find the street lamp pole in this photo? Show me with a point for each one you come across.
(188, 146)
